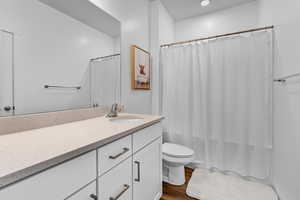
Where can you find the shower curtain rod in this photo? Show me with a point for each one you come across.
(217, 36)
(98, 58)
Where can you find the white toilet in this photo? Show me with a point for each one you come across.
(175, 157)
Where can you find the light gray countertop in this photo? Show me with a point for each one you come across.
(27, 153)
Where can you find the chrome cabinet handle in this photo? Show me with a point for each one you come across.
(138, 179)
(126, 187)
(120, 154)
(93, 196)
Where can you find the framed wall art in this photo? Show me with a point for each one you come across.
(140, 68)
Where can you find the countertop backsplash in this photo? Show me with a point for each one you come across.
(13, 124)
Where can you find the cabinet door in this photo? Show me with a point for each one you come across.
(116, 184)
(147, 172)
(87, 193)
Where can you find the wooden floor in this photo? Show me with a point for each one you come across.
(171, 192)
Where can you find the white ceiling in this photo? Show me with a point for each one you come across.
(181, 9)
(87, 13)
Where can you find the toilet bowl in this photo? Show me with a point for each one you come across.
(175, 157)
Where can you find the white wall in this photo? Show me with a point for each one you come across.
(230, 20)
(166, 25)
(285, 16)
(134, 16)
(162, 31)
(50, 48)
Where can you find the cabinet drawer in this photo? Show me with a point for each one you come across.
(117, 183)
(146, 136)
(114, 153)
(56, 183)
(86, 193)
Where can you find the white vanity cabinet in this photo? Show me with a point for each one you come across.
(147, 177)
(137, 158)
(117, 183)
(130, 168)
(112, 154)
(89, 192)
(142, 138)
(56, 183)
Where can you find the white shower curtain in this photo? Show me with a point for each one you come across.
(216, 97)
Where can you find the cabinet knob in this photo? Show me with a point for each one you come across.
(94, 197)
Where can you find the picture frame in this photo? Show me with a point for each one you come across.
(140, 68)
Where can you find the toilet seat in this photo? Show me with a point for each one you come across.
(176, 151)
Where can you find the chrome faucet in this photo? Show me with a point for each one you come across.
(113, 111)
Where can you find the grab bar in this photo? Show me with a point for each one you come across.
(63, 87)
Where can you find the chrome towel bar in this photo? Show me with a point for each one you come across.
(103, 57)
(62, 87)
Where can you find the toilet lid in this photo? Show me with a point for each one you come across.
(176, 150)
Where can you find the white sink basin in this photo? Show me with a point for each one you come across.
(124, 119)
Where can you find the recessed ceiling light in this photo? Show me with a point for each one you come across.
(205, 3)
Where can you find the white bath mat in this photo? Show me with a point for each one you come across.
(206, 185)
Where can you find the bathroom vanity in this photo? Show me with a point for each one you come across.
(99, 158)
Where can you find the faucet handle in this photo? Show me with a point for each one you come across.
(118, 107)
(121, 108)
(114, 107)
(113, 111)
